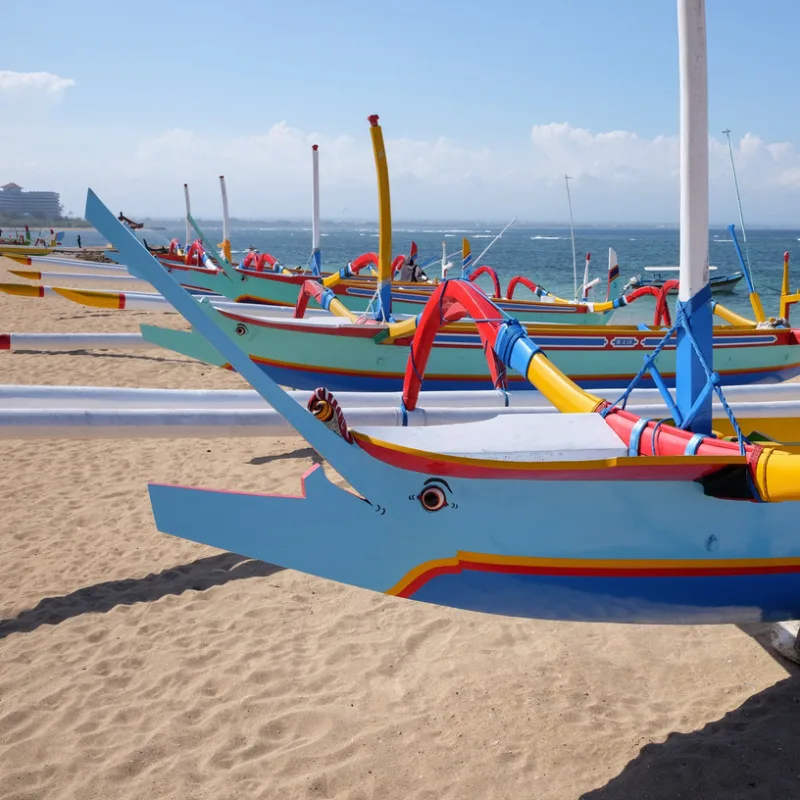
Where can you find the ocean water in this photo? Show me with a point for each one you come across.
(542, 254)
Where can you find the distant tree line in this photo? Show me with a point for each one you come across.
(19, 221)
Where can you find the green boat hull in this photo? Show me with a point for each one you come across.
(283, 290)
(331, 352)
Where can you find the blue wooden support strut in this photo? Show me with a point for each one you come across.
(694, 339)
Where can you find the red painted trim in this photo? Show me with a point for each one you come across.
(190, 268)
(429, 464)
(584, 572)
(260, 301)
(5, 341)
(365, 331)
(296, 279)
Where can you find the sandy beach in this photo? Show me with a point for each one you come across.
(134, 665)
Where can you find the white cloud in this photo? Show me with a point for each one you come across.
(34, 81)
(613, 157)
(627, 158)
(620, 176)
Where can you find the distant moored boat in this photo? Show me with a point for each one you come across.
(720, 284)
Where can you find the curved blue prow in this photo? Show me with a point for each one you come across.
(347, 459)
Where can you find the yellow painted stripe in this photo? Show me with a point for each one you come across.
(30, 274)
(89, 297)
(596, 564)
(463, 556)
(20, 289)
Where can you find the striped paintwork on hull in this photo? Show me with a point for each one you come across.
(654, 591)
(283, 290)
(300, 376)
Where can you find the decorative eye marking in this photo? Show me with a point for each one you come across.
(434, 495)
(378, 509)
(241, 330)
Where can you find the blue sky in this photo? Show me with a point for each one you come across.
(484, 105)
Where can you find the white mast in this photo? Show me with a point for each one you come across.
(316, 254)
(693, 294)
(187, 240)
(567, 179)
(225, 218)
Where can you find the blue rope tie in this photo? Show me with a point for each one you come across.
(694, 443)
(655, 433)
(712, 380)
(636, 436)
(648, 362)
(682, 321)
(404, 412)
(414, 365)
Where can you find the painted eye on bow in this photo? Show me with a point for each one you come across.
(433, 498)
(434, 495)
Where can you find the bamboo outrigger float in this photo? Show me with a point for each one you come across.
(24, 247)
(766, 413)
(691, 528)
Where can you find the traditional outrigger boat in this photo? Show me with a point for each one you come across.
(262, 279)
(22, 246)
(347, 352)
(465, 515)
(17, 238)
(347, 355)
(658, 276)
(767, 413)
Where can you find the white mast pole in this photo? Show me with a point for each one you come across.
(316, 254)
(567, 179)
(187, 241)
(694, 294)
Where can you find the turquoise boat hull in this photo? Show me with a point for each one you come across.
(407, 298)
(648, 539)
(332, 352)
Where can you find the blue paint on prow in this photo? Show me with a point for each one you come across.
(693, 393)
(348, 460)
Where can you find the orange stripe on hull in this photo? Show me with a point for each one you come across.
(609, 568)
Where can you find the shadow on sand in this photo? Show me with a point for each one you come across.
(102, 354)
(751, 752)
(198, 576)
(300, 452)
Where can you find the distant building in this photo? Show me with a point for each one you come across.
(40, 205)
